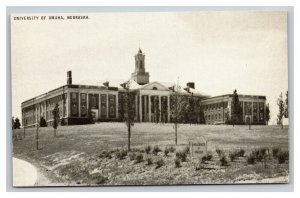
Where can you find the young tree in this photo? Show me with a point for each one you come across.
(17, 123)
(280, 114)
(13, 122)
(236, 109)
(129, 110)
(286, 109)
(267, 115)
(55, 113)
(43, 122)
(177, 106)
(37, 134)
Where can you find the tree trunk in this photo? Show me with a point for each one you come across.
(129, 135)
(175, 126)
(24, 132)
(54, 132)
(37, 138)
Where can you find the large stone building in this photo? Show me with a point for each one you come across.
(153, 102)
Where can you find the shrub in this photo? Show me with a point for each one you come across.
(275, 151)
(177, 163)
(105, 154)
(139, 158)
(223, 160)
(187, 150)
(156, 149)
(282, 156)
(172, 149)
(98, 179)
(260, 153)
(204, 159)
(159, 163)
(132, 156)
(251, 159)
(241, 153)
(209, 157)
(43, 122)
(121, 154)
(166, 151)
(232, 156)
(182, 155)
(220, 152)
(149, 161)
(147, 149)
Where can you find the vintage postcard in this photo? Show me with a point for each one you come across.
(149, 98)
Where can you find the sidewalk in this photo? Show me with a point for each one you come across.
(24, 173)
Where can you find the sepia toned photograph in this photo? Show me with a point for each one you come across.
(149, 98)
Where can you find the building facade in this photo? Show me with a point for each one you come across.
(153, 102)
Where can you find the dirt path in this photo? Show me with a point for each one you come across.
(24, 173)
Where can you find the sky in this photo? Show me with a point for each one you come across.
(218, 50)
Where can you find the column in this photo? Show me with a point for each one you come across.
(159, 106)
(99, 105)
(107, 106)
(140, 108)
(136, 107)
(68, 105)
(168, 108)
(79, 105)
(243, 111)
(149, 106)
(117, 106)
(251, 112)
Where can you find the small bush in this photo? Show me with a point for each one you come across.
(166, 152)
(172, 149)
(275, 151)
(204, 159)
(223, 160)
(132, 156)
(187, 150)
(177, 163)
(105, 154)
(209, 157)
(121, 154)
(241, 153)
(260, 153)
(139, 158)
(233, 156)
(156, 149)
(148, 149)
(43, 122)
(159, 163)
(149, 161)
(251, 159)
(282, 156)
(220, 152)
(182, 155)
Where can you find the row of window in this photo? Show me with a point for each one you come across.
(218, 105)
(93, 104)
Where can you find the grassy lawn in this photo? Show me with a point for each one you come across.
(75, 156)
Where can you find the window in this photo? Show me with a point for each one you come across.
(103, 106)
(83, 105)
(112, 105)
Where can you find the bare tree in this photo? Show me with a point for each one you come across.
(286, 108)
(129, 110)
(55, 113)
(267, 115)
(280, 114)
(177, 106)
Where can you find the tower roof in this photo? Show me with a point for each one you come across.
(140, 51)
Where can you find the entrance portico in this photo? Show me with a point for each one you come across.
(153, 103)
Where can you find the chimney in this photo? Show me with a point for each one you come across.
(190, 85)
(69, 78)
